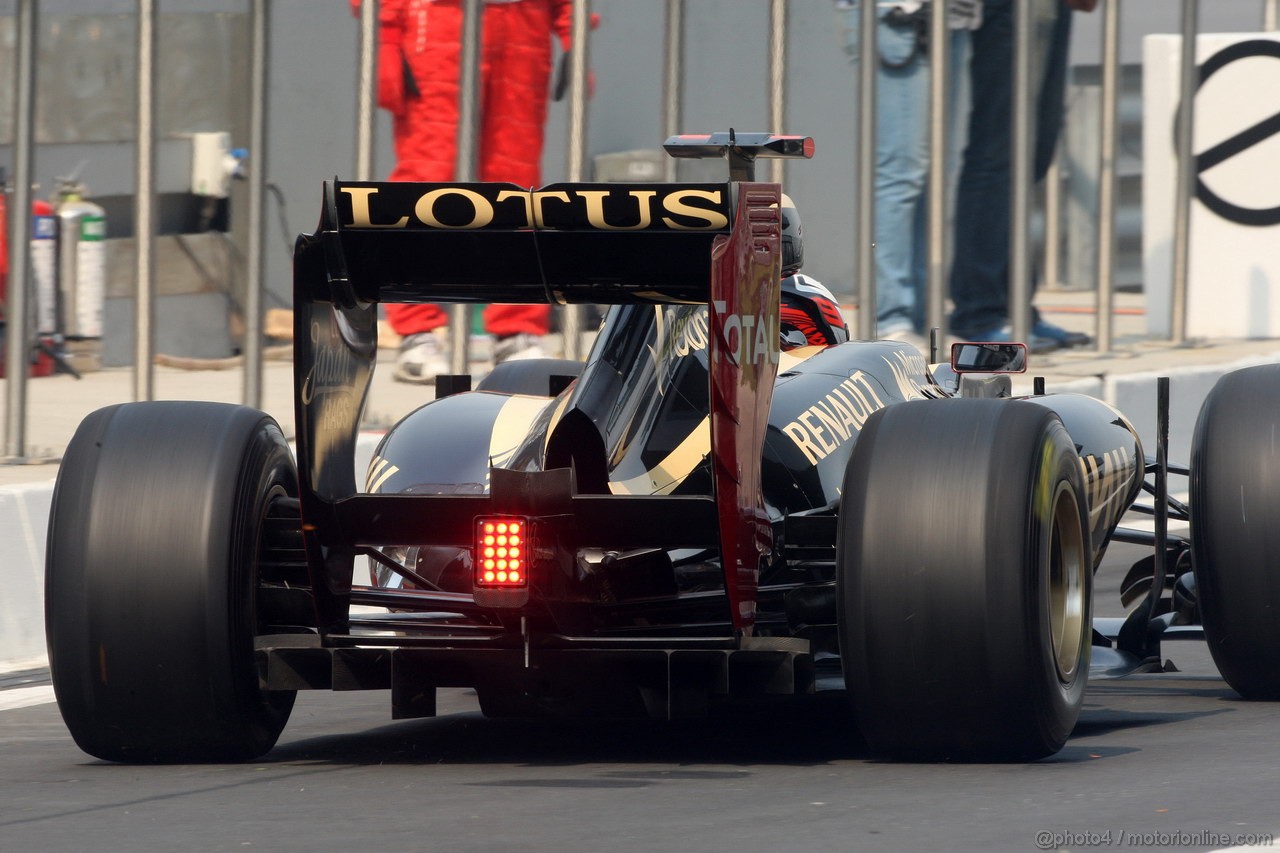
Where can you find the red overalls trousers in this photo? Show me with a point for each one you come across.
(420, 49)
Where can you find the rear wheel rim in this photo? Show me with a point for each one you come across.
(1067, 567)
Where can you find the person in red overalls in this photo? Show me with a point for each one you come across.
(419, 60)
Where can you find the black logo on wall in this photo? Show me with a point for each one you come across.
(1237, 144)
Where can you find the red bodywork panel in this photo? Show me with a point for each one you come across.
(744, 311)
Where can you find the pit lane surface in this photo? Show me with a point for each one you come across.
(1174, 759)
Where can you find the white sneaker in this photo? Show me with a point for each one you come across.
(517, 347)
(420, 359)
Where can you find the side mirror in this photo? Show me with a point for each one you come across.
(988, 358)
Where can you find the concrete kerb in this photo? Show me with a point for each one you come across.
(24, 520)
(1134, 394)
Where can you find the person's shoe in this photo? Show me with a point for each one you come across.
(420, 359)
(516, 347)
(1037, 345)
(1065, 337)
(908, 336)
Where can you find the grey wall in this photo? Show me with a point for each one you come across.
(312, 100)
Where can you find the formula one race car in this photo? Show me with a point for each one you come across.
(691, 517)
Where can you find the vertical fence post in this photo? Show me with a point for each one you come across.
(777, 80)
(576, 167)
(1271, 15)
(939, 123)
(144, 206)
(17, 350)
(465, 165)
(255, 257)
(1186, 177)
(1107, 174)
(366, 94)
(865, 228)
(1022, 135)
(1053, 222)
(672, 82)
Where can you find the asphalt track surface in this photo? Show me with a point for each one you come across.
(1168, 761)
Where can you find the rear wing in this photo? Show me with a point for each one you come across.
(563, 243)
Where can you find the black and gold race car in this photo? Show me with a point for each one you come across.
(691, 517)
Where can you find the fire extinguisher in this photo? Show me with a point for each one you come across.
(81, 267)
(44, 244)
(43, 356)
(44, 231)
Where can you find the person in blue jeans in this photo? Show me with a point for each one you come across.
(980, 271)
(902, 147)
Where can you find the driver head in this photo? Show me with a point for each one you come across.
(811, 310)
(792, 238)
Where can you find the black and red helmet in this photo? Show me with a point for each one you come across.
(810, 309)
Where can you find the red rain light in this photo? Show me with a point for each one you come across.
(499, 563)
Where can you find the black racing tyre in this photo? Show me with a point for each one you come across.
(1235, 528)
(964, 581)
(151, 576)
(530, 376)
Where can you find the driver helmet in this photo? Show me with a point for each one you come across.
(811, 316)
(792, 238)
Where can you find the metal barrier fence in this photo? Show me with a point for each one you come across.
(1186, 182)
(255, 261)
(1107, 175)
(366, 89)
(16, 348)
(865, 215)
(465, 165)
(24, 83)
(571, 318)
(144, 201)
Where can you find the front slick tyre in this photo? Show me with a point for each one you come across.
(1235, 528)
(964, 581)
(151, 576)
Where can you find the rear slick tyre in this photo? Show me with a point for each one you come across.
(151, 581)
(1235, 528)
(964, 581)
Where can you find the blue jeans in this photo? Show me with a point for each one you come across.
(980, 272)
(902, 165)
